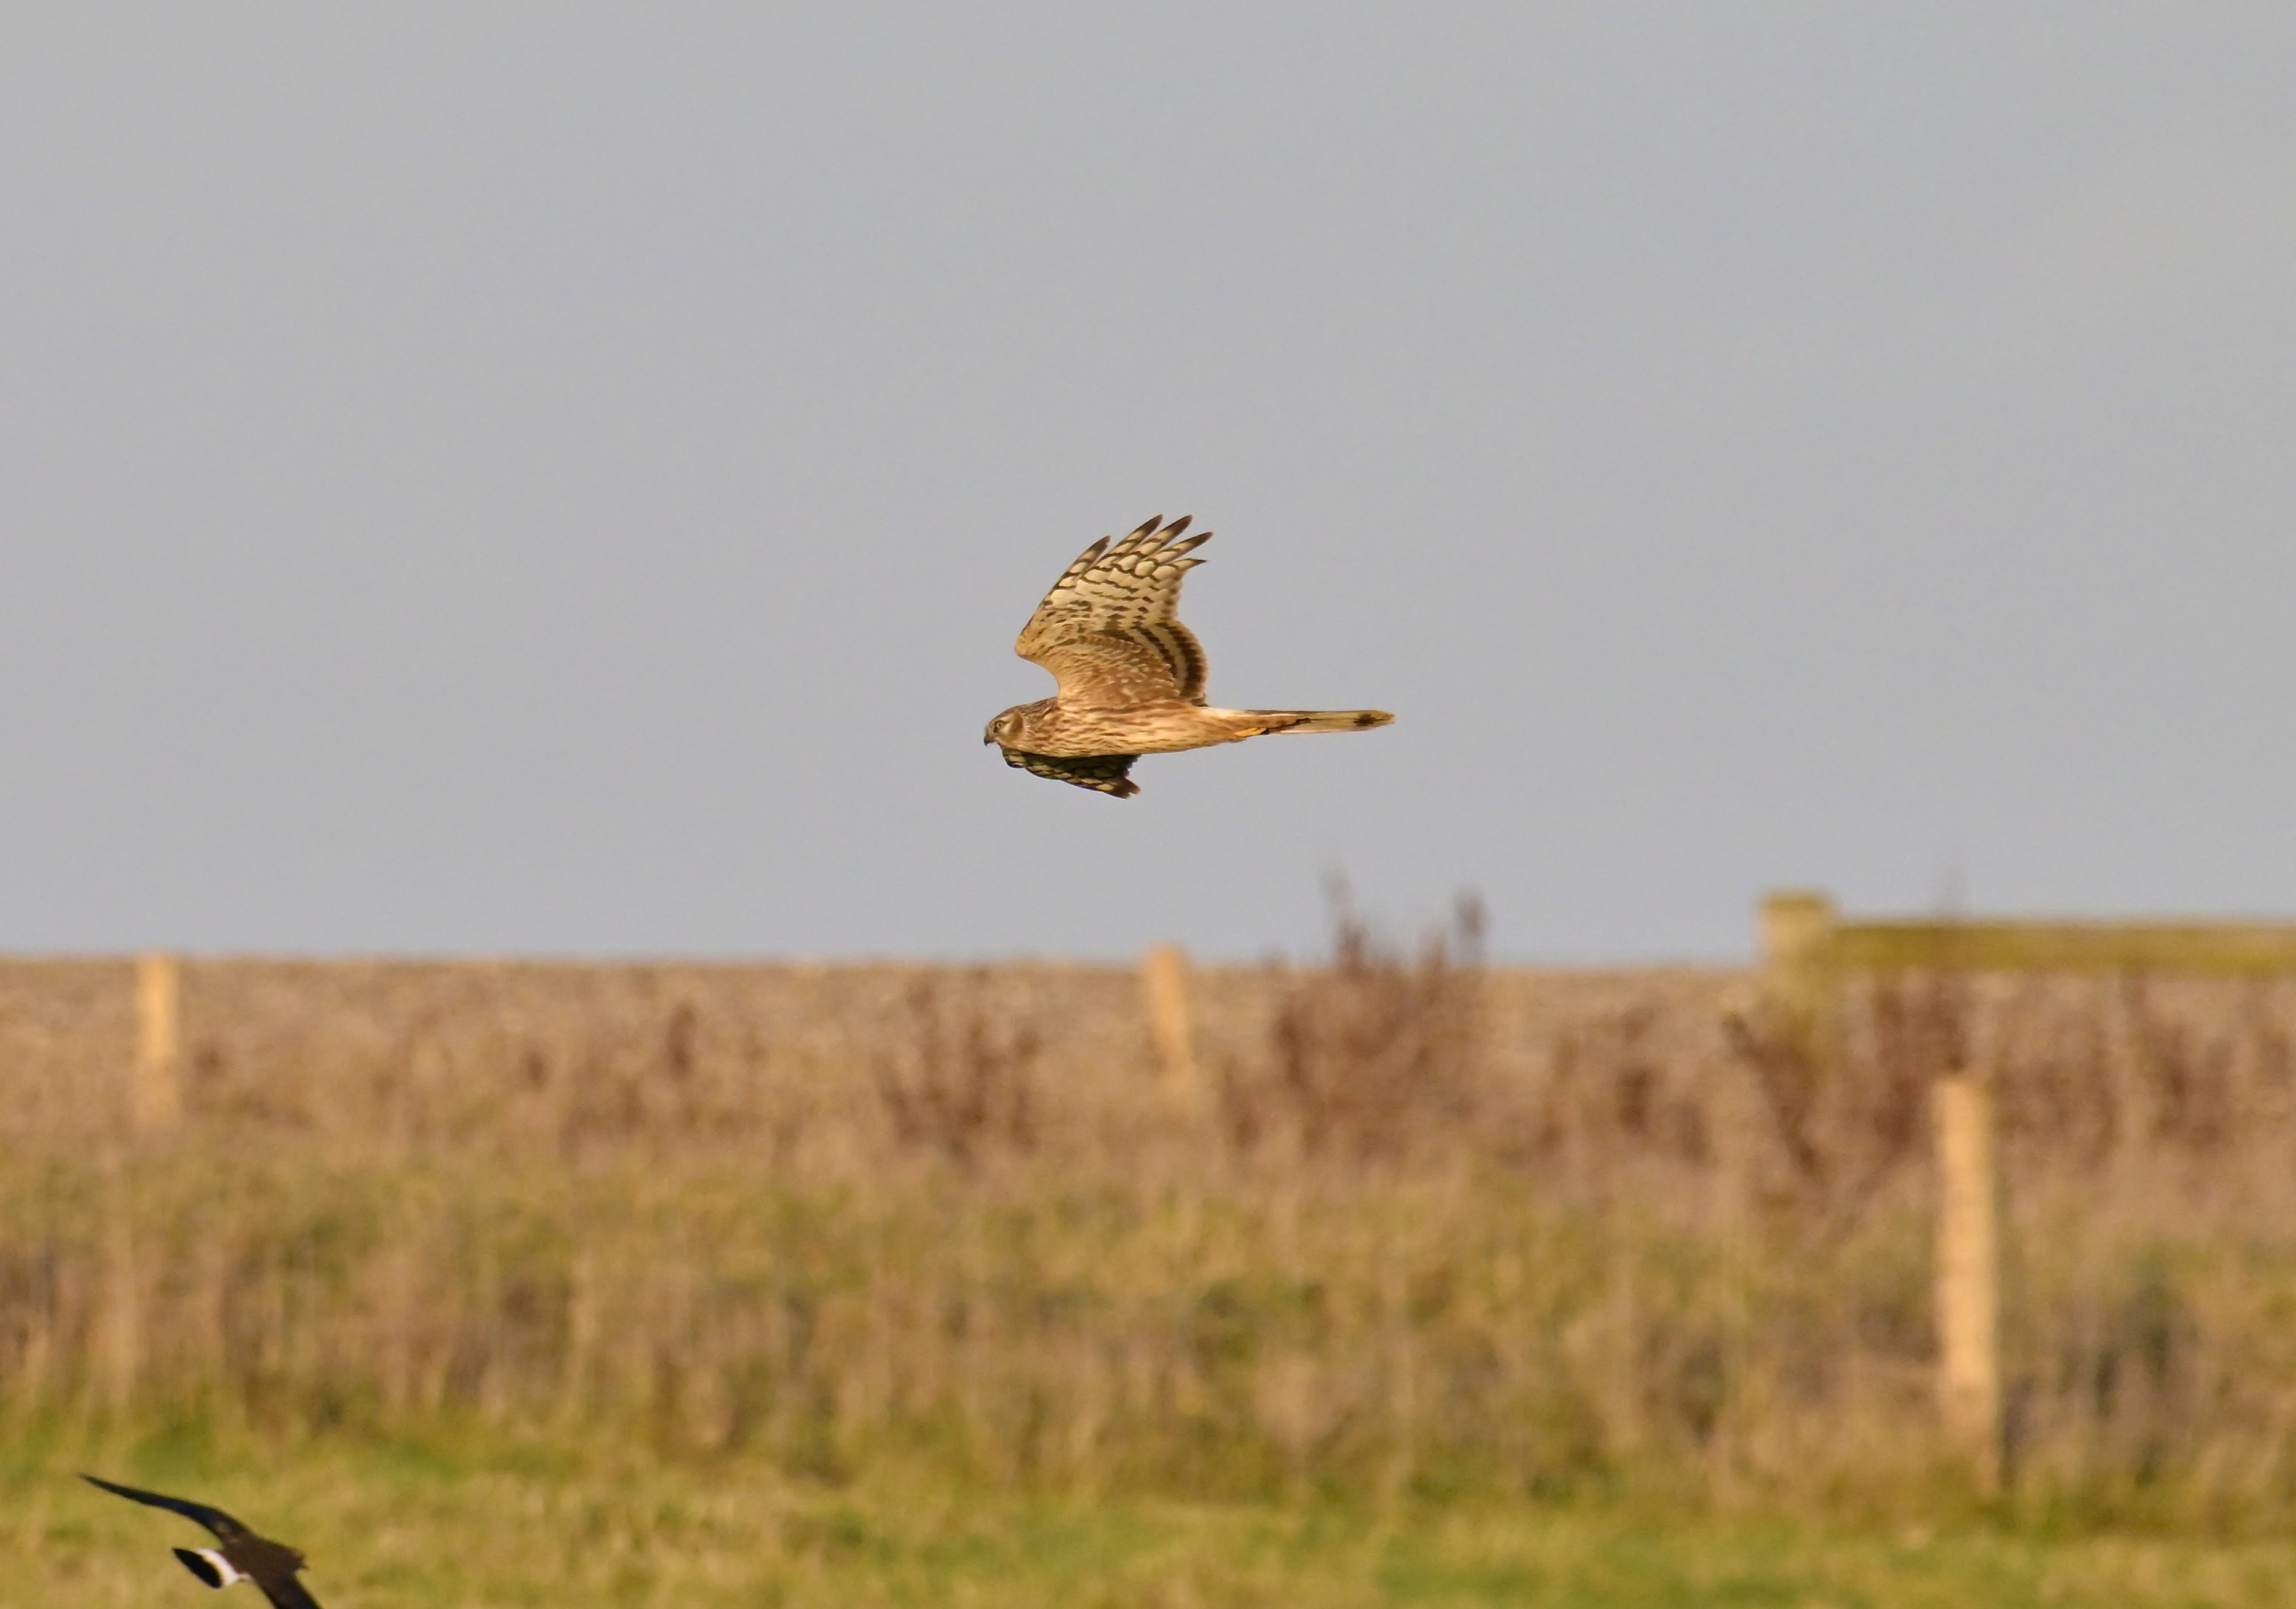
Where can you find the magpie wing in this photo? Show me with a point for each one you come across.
(224, 1528)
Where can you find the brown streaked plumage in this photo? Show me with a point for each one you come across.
(1131, 676)
(243, 1556)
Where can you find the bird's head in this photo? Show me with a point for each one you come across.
(1004, 730)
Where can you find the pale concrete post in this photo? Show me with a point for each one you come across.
(1800, 982)
(155, 1096)
(1968, 1277)
(1164, 978)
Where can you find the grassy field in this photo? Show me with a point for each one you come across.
(413, 1524)
(1435, 1287)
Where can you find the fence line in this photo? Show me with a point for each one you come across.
(1807, 949)
(1808, 953)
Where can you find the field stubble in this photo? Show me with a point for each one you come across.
(1426, 1231)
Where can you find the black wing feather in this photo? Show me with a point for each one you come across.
(285, 1592)
(1102, 773)
(222, 1525)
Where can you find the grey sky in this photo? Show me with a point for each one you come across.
(566, 478)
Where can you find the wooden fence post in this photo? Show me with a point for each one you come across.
(1164, 976)
(1968, 1277)
(1800, 981)
(155, 1094)
(1808, 951)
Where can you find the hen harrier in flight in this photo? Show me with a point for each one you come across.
(243, 1556)
(1131, 676)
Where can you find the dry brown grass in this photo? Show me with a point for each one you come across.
(1443, 1229)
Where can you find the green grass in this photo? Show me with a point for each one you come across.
(442, 1527)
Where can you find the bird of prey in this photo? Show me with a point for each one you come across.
(243, 1556)
(1131, 676)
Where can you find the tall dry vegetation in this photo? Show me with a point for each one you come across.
(1428, 1229)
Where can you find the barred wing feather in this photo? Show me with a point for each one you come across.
(1102, 773)
(1109, 630)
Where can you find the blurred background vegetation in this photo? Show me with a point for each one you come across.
(859, 1281)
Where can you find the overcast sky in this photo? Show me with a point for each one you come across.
(565, 479)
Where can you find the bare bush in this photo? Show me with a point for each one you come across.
(965, 1081)
(1372, 1054)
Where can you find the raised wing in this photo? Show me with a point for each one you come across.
(270, 1565)
(1102, 773)
(1108, 630)
(221, 1525)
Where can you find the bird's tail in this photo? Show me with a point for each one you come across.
(1320, 721)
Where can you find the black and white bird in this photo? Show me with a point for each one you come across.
(243, 1556)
